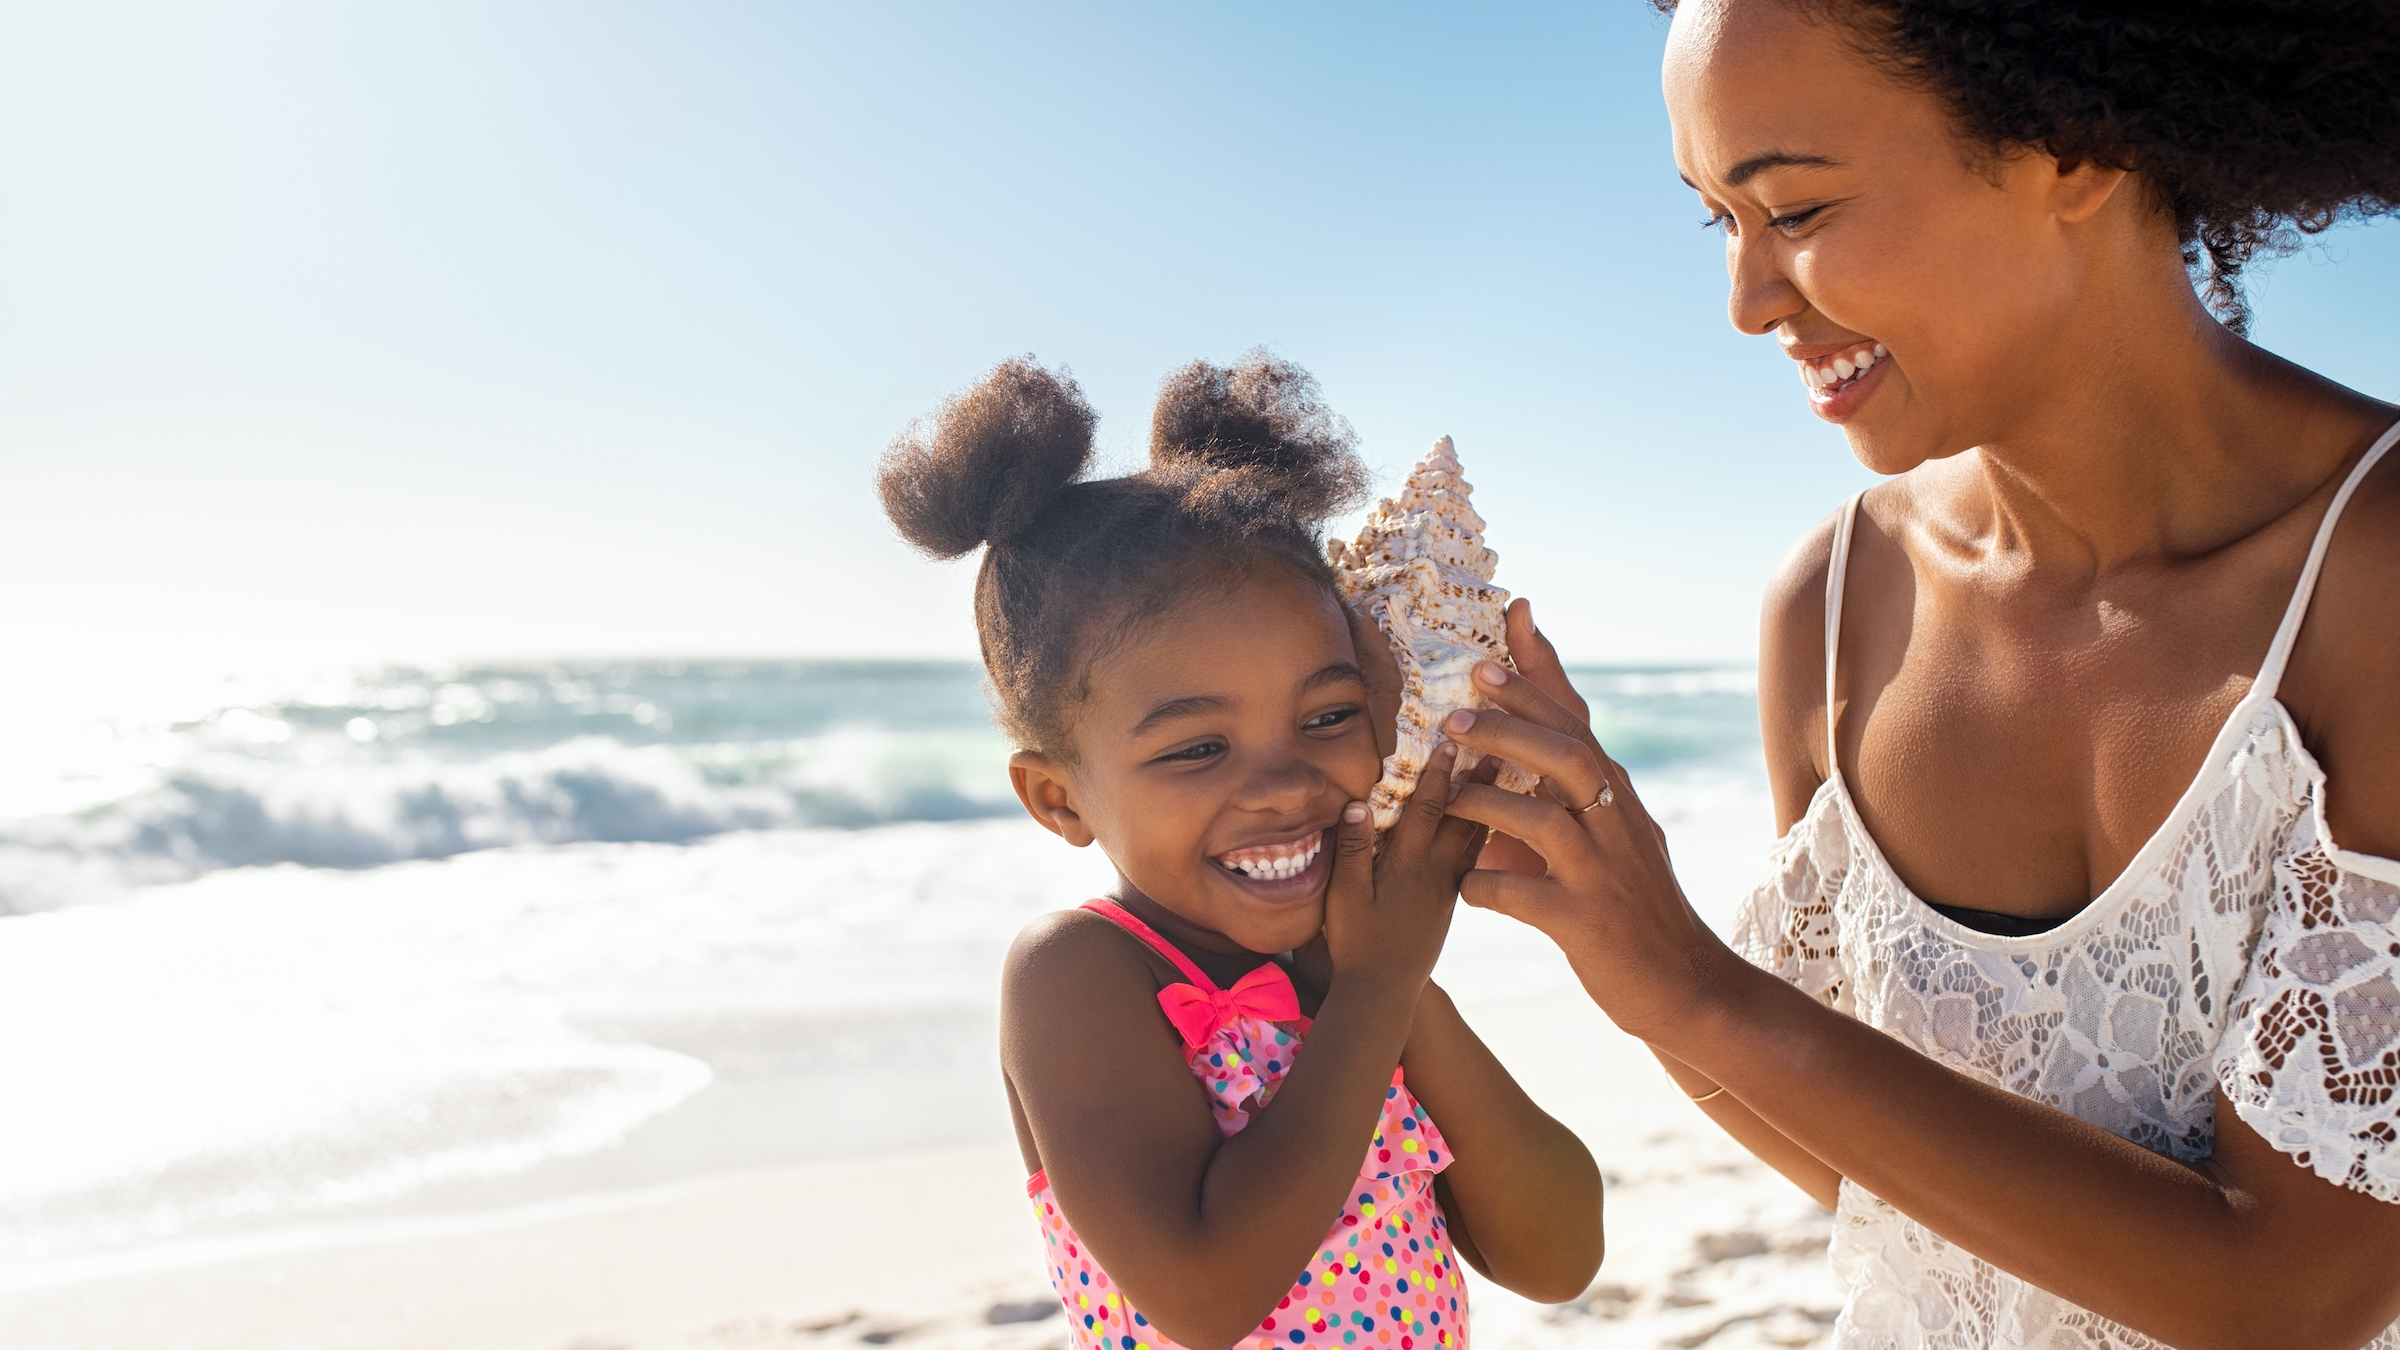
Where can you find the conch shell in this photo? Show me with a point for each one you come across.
(1420, 571)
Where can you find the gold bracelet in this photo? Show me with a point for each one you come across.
(1707, 1095)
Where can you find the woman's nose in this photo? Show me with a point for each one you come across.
(1762, 296)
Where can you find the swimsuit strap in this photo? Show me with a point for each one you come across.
(1117, 914)
(1834, 575)
(2270, 674)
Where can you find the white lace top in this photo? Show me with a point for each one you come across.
(2241, 949)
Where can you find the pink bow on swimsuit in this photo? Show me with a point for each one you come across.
(1265, 993)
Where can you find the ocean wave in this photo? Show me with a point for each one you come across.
(226, 809)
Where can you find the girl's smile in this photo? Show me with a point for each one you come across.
(1292, 869)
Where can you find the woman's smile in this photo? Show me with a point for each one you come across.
(1840, 379)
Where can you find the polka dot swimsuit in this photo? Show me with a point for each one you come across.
(1383, 1277)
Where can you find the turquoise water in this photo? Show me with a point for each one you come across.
(403, 764)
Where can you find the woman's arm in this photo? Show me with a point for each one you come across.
(2246, 1249)
(1521, 1192)
(1202, 1232)
(1766, 1143)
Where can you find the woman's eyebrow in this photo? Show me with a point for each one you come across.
(1773, 159)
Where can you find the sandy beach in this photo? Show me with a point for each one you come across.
(931, 1248)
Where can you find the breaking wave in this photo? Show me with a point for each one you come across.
(223, 810)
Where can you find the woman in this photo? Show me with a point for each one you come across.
(2061, 993)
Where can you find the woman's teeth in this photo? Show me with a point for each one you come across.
(1274, 864)
(1848, 366)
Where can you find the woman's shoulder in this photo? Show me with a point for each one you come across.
(1791, 670)
(1792, 624)
(2340, 684)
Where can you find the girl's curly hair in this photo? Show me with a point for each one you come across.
(2254, 122)
(1246, 463)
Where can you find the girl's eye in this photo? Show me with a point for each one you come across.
(1193, 754)
(1795, 220)
(1718, 221)
(1325, 720)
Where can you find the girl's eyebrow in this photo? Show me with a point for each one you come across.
(1188, 706)
(1192, 705)
(1338, 673)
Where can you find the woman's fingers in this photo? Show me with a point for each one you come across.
(1538, 661)
(1507, 853)
(1571, 764)
(1540, 825)
(1521, 697)
(1518, 897)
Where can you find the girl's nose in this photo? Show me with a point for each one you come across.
(1286, 785)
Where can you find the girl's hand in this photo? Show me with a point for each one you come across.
(1596, 881)
(1386, 917)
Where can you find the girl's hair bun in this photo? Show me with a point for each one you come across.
(1264, 422)
(985, 466)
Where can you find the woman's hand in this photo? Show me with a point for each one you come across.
(1596, 881)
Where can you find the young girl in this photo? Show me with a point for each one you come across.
(1168, 651)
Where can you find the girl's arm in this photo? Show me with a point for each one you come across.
(2244, 1249)
(1205, 1233)
(1521, 1193)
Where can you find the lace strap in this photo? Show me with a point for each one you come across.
(2270, 675)
(1834, 576)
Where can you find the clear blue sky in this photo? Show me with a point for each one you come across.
(487, 327)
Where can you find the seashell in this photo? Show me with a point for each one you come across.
(1420, 570)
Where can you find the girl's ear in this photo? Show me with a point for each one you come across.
(1043, 786)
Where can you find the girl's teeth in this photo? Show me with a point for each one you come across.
(1278, 869)
(1842, 369)
(1880, 353)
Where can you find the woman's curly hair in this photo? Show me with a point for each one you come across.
(1246, 462)
(2254, 122)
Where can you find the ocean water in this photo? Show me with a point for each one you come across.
(282, 956)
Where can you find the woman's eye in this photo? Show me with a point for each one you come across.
(1795, 220)
(1191, 754)
(1324, 720)
(1718, 221)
